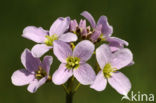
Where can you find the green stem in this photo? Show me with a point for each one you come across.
(69, 94)
(69, 97)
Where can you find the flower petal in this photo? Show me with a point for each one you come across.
(62, 50)
(114, 46)
(84, 50)
(40, 49)
(68, 37)
(30, 63)
(100, 82)
(107, 30)
(89, 17)
(117, 41)
(131, 63)
(103, 55)
(61, 75)
(21, 77)
(84, 74)
(121, 58)
(47, 61)
(34, 85)
(96, 34)
(120, 83)
(35, 34)
(60, 26)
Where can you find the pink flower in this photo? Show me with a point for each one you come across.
(35, 73)
(74, 62)
(110, 63)
(58, 31)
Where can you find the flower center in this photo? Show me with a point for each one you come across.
(40, 73)
(72, 62)
(102, 37)
(50, 39)
(108, 70)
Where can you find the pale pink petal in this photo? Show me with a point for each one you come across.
(47, 61)
(40, 49)
(68, 37)
(114, 48)
(103, 55)
(89, 17)
(35, 34)
(62, 50)
(121, 58)
(30, 63)
(34, 85)
(100, 82)
(115, 41)
(131, 63)
(107, 29)
(21, 77)
(120, 83)
(61, 75)
(60, 26)
(84, 74)
(84, 50)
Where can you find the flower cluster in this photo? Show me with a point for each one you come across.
(74, 44)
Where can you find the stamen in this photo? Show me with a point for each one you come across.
(40, 73)
(50, 39)
(72, 62)
(108, 70)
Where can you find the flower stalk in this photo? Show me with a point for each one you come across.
(69, 94)
(69, 98)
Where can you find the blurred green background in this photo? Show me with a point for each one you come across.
(133, 20)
